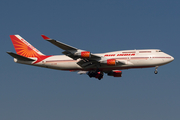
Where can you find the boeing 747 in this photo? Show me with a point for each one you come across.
(85, 62)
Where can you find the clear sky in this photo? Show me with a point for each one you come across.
(33, 93)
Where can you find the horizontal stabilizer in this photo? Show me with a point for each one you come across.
(19, 57)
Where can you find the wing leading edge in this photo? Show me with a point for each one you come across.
(70, 51)
(59, 44)
(88, 59)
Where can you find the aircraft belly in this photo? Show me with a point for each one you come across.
(71, 65)
(63, 66)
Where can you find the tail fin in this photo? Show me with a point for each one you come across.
(24, 48)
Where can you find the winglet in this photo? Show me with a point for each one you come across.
(45, 37)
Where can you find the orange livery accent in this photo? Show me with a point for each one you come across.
(25, 49)
(110, 55)
(117, 73)
(126, 54)
(111, 62)
(45, 37)
(41, 58)
(85, 54)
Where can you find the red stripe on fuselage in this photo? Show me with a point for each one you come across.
(41, 58)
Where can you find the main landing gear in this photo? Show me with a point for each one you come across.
(156, 71)
(97, 74)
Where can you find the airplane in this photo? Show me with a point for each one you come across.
(85, 62)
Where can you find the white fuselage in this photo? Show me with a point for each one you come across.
(132, 59)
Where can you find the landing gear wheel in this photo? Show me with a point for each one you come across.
(156, 72)
(100, 77)
(97, 74)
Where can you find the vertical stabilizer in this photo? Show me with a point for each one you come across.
(24, 48)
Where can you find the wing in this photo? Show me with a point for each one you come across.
(87, 59)
(70, 51)
(60, 44)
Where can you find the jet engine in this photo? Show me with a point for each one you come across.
(83, 54)
(110, 62)
(115, 73)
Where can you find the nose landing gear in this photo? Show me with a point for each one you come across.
(156, 71)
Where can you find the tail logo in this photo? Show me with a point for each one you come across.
(24, 48)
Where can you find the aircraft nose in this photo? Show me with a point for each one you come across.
(172, 58)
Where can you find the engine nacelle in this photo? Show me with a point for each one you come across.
(110, 62)
(116, 73)
(83, 54)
